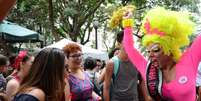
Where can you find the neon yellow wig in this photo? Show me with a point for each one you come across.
(117, 15)
(171, 29)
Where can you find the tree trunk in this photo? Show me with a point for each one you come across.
(51, 20)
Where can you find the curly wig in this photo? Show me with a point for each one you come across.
(171, 29)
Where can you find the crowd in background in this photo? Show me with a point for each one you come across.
(64, 75)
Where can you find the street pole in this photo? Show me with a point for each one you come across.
(95, 24)
(96, 38)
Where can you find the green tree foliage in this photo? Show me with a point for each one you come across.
(68, 18)
(32, 14)
(74, 18)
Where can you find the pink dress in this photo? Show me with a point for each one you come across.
(182, 88)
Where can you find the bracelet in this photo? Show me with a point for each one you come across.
(127, 23)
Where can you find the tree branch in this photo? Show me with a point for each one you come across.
(91, 11)
(87, 40)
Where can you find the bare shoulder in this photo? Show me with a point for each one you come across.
(38, 93)
(12, 84)
(12, 87)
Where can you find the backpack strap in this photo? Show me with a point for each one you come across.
(115, 60)
(93, 79)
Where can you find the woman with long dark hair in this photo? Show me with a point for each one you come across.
(45, 82)
(22, 64)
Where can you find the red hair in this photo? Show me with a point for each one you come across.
(70, 48)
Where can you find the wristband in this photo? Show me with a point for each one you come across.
(127, 23)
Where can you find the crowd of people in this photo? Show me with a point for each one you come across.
(62, 75)
(168, 73)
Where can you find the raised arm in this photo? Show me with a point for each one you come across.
(195, 51)
(136, 58)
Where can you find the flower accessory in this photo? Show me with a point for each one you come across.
(117, 16)
(19, 59)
